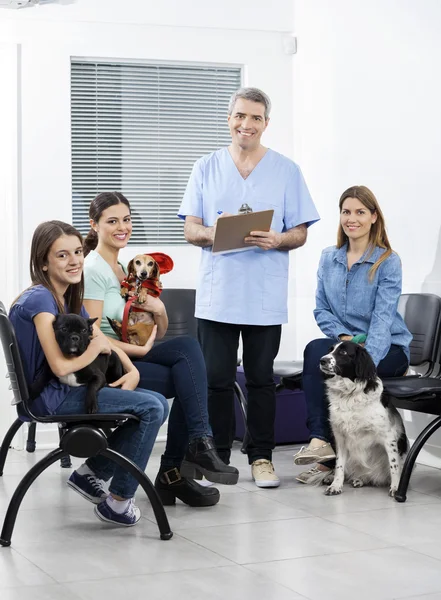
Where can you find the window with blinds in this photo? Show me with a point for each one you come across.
(138, 129)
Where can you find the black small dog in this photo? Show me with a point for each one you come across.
(73, 334)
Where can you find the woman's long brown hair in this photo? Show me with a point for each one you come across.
(377, 235)
(44, 236)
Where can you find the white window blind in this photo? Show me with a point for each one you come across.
(138, 129)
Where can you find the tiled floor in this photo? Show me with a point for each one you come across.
(283, 544)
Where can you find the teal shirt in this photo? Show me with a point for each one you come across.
(101, 283)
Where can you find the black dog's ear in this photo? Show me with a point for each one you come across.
(364, 365)
(90, 322)
(365, 369)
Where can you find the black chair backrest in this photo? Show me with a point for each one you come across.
(422, 315)
(13, 360)
(180, 305)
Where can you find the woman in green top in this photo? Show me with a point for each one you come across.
(174, 368)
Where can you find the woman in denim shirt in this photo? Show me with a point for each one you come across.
(359, 285)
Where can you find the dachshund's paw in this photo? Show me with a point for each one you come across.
(333, 490)
(142, 297)
(357, 483)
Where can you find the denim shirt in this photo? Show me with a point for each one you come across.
(348, 303)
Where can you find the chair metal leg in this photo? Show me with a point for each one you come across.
(65, 461)
(30, 444)
(7, 442)
(22, 488)
(400, 495)
(243, 403)
(147, 485)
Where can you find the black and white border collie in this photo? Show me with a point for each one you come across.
(370, 438)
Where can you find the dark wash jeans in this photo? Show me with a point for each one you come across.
(219, 342)
(133, 440)
(176, 369)
(394, 364)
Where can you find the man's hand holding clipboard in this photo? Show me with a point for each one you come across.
(267, 240)
(235, 233)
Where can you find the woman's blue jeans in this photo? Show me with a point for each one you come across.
(394, 364)
(176, 369)
(133, 440)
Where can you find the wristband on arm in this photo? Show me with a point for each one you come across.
(359, 339)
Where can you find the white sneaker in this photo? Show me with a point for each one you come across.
(262, 471)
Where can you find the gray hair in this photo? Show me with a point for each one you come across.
(253, 94)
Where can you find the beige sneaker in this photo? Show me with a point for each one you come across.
(314, 476)
(307, 455)
(262, 471)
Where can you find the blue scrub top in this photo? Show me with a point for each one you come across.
(250, 287)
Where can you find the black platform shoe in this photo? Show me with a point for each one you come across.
(170, 485)
(202, 459)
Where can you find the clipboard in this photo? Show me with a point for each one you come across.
(231, 231)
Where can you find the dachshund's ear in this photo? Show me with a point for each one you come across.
(155, 271)
(364, 366)
(130, 268)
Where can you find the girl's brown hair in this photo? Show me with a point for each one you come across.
(377, 235)
(44, 236)
(98, 205)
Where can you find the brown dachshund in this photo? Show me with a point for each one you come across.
(142, 280)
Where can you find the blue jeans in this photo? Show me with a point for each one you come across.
(133, 440)
(394, 364)
(176, 369)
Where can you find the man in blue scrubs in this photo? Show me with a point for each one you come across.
(245, 293)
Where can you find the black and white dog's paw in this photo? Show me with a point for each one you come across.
(333, 490)
(392, 491)
(328, 479)
(357, 483)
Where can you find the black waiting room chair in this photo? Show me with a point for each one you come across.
(422, 315)
(83, 437)
(180, 305)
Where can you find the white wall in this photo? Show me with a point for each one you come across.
(367, 98)
(249, 34)
(10, 253)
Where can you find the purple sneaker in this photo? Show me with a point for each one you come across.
(88, 486)
(128, 518)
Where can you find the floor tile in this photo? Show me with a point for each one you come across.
(235, 583)
(122, 555)
(277, 540)
(436, 596)
(381, 574)
(426, 480)
(43, 592)
(231, 509)
(413, 524)
(16, 570)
